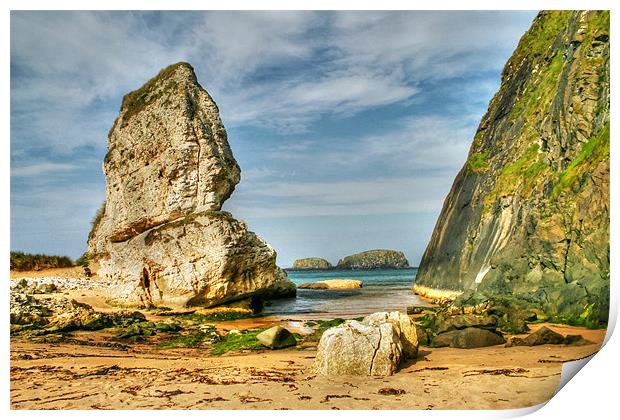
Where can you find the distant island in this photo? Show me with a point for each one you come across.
(367, 260)
(311, 264)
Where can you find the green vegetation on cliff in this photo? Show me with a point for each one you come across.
(134, 102)
(593, 152)
(96, 220)
(528, 215)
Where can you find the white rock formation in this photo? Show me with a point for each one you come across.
(355, 348)
(162, 239)
(404, 327)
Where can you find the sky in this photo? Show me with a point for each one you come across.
(349, 127)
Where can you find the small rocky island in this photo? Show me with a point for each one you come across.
(313, 263)
(377, 258)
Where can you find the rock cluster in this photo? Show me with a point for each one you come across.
(67, 283)
(47, 315)
(162, 237)
(374, 346)
(377, 258)
(528, 214)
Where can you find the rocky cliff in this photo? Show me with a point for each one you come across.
(528, 214)
(311, 264)
(378, 258)
(161, 235)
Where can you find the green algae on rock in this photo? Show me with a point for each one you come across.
(528, 214)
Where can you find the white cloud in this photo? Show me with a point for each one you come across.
(339, 198)
(41, 169)
(426, 142)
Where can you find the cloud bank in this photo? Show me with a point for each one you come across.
(330, 114)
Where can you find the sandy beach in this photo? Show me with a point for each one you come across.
(90, 370)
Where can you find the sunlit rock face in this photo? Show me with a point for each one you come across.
(528, 214)
(162, 235)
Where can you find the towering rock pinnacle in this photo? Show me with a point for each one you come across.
(528, 215)
(168, 170)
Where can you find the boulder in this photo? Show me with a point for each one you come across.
(444, 339)
(576, 340)
(460, 322)
(468, 338)
(161, 237)
(276, 338)
(333, 284)
(406, 330)
(356, 348)
(544, 336)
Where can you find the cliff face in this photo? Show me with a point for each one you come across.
(311, 264)
(528, 214)
(168, 170)
(378, 258)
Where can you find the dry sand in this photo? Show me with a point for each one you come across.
(87, 373)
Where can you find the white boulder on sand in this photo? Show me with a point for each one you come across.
(374, 346)
(405, 328)
(333, 284)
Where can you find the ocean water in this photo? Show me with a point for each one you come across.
(382, 290)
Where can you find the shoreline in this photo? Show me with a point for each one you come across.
(94, 370)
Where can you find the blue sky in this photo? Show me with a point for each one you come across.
(349, 127)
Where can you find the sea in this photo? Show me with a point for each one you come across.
(382, 290)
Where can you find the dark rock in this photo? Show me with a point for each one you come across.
(545, 336)
(136, 331)
(576, 340)
(276, 338)
(471, 338)
(468, 338)
(539, 337)
(460, 322)
(445, 339)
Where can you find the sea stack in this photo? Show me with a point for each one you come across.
(528, 214)
(313, 263)
(162, 235)
(376, 258)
